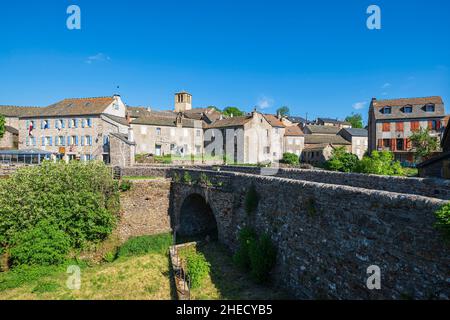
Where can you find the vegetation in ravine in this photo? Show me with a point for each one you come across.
(255, 254)
(197, 268)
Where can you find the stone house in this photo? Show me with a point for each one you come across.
(278, 133)
(392, 122)
(317, 153)
(294, 140)
(77, 128)
(10, 139)
(244, 139)
(333, 122)
(439, 165)
(358, 138)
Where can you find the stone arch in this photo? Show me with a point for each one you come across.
(196, 218)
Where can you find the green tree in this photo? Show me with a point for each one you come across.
(341, 160)
(380, 162)
(232, 111)
(356, 120)
(424, 144)
(283, 111)
(290, 158)
(2, 125)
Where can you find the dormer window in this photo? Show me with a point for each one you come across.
(386, 110)
(116, 106)
(407, 109)
(429, 108)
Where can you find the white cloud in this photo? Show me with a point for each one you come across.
(359, 105)
(386, 85)
(264, 102)
(99, 57)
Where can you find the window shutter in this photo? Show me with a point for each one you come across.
(82, 122)
(430, 125)
(76, 140)
(380, 143)
(50, 142)
(43, 141)
(438, 124)
(63, 141)
(89, 122)
(63, 123)
(42, 124)
(393, 145)
(76, 123)
(68, 140)
(82, 140)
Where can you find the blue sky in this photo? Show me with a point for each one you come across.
(316, 57)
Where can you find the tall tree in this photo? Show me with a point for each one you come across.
(2, 125)
(232, 111)
(283, 111)
(356, 120)
(424, 144)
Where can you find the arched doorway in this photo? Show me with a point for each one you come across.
(196, 219)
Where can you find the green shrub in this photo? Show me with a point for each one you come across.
(381, 163)
(204, 179)
(251, 200)
(109, 256)
(77, 196)
(341, 160)
(241, 257)
(443, 221)
(145, 244)
(42, 245)
(187, 177)
(290, 158)
(197, 268)
(125, 185)
(262, 254)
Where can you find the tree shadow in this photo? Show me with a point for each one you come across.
(232, 282)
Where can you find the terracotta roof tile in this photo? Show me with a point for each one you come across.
(293, 131)
(273, 121)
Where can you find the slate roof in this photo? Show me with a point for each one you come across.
(322, 129)
(273, 121)
(316, 147)
(74, 107)
(417, 104)
(296, 119)
(231, 122)
(119, 120)
(122, 137)
(18, 111)
(293, 131)
(356, 132)
(334, 121)
(318, 139)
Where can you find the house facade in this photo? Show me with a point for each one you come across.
(392, 122)
(294, 140)
(75, 128)
(358, 138)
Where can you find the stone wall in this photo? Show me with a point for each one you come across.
(328, 235)
(145, 209)
(429, 187)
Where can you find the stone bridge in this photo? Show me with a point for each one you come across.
(326, 234)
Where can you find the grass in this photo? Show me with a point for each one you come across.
(141, 271)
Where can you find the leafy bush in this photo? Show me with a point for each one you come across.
(443, 220)
(197, 268)
(187, 177)
(341, 160)
(290, 158)
(251, 200)
(255, 254)
(204, 179)
(110, 256)
(381, 163)
(42, 245)
(145, 244)
(80, 198)
(125, 185)
(262, 254)
(241, 257)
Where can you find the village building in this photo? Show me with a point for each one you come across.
(294, 140)
(333, 122)
(10, 139)
(80, 128)
(392, 122)
(358, 137)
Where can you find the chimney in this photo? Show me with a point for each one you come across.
(130, 134)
